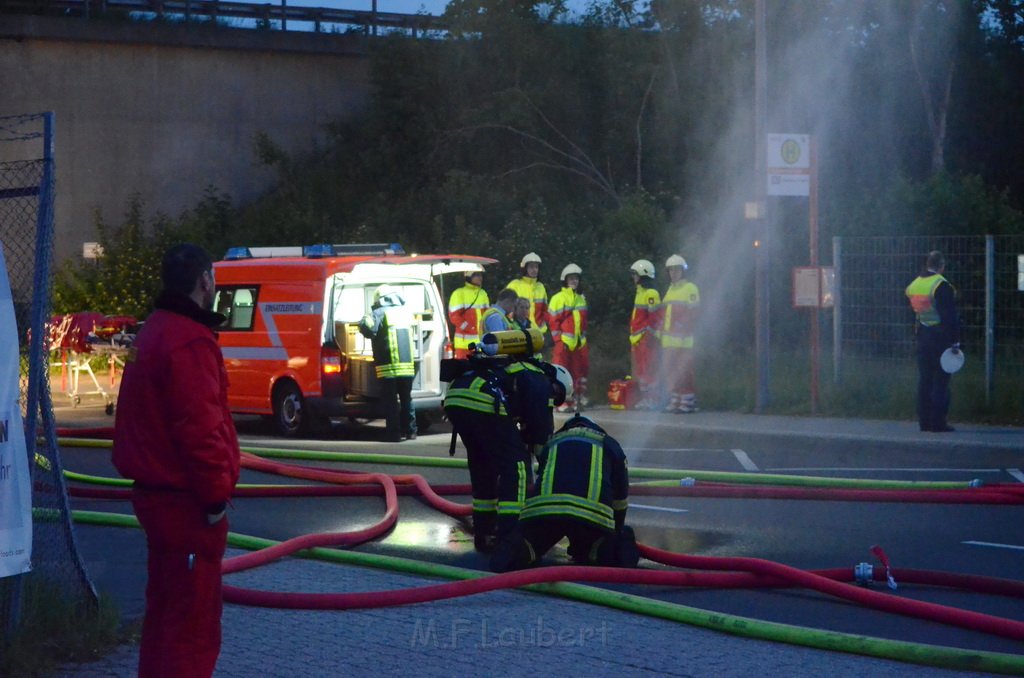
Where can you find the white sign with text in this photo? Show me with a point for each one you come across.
(15, 484)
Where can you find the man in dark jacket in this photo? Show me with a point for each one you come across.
(938, 328)
(388, 326)
(174, 437)
(581, 493)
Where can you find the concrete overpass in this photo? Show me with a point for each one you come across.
(163, 110)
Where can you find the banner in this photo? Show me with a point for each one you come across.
(15, 484)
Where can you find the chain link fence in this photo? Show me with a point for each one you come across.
(873, 318)
(26, 234)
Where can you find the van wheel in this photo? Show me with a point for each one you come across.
(289, 410)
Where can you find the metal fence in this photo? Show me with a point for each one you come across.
(26, 232)
(873, 318)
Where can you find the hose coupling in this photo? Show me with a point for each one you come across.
(687, 482)
(977, 482)
(863, 573)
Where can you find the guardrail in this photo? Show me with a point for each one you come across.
(265, 14)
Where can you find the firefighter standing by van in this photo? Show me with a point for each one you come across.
(568, 320)
(388, 326)
(643, 331)
(501, 408)
(581, 493)
(529, 287)
(466, 307)
(679, 315)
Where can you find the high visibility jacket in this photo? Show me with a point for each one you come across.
(921, 293)
(679, 312)
(465, 310)
(646, 314)
(568, 317)
(582, 474)
(520, 390)
(494, 320)
(532, 289)
(389, 329)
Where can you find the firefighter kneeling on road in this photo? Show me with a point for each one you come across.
(501, 406)
(582, 493)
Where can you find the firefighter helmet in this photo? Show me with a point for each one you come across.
(563, 377)
(529, 258)
(676, 260)
(642, 268)
(570, 270)
(386, 295)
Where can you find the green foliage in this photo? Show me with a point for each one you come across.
(54, 631)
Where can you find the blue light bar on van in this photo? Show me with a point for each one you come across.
(235, 253)
(317, 251)
(369, 249)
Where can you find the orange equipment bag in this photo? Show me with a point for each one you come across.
(623, 394)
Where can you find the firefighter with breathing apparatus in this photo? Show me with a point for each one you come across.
(499, 401)
(581, 493)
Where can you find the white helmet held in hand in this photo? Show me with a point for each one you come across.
(569, 270)
(642, 267)
(676, 260)
(563, 377)
(529, 258)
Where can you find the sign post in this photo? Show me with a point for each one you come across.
(15, 485)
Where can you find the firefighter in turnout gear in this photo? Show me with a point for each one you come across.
(530, 288)
(466, 307)
(680, 305)
(568, 318)
(501, 408)
(581, 493)
(643, 332)
(388, 326)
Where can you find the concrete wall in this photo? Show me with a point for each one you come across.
(166, 110)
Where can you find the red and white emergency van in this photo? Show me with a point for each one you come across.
(291, 344)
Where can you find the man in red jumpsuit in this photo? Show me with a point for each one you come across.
(175, 438)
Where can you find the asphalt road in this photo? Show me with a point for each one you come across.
(972, 539)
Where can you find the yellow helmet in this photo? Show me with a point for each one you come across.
(569, 270)
(676, 260)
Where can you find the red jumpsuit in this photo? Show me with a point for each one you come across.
(643, 338)
(174, 437)
(567, 317)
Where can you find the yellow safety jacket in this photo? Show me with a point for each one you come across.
(921, 293)
(568, 314)
(644, 321)
(465, 310)
(391, 338)
(679, 309)
(532, 289)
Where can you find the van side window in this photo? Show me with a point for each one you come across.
(238, 305)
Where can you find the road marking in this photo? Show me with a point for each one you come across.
(745, 461)
(1015, 472)
(994, 545)
(889, 468)
(657, 508)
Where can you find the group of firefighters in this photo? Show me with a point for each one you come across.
(661, 328)
(501, 403)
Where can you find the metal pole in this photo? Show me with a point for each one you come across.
(813, 244)
(837, 306)
(762, 277)
(284, 15)
(990, 316)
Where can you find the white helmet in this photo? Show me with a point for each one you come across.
(642, 267)
(529, 258)
(386, 295)
(569, 270)
(676, 260)
(563, 377)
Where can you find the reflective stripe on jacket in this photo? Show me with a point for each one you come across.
(921, 293)
(644, 321)
(395, 357)
(679, 313)
(568, 316)
(532, 289)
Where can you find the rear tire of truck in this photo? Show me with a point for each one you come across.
(290, 415)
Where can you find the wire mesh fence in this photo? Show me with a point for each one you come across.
(873, 318)
(26, 234)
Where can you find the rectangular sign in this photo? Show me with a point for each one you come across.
(788, 161)
(15, 484)
(814, 286)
